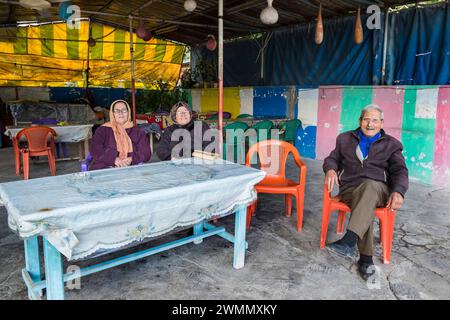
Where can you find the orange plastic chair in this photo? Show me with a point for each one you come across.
(37, 145)
(273, 155)
(385, 215)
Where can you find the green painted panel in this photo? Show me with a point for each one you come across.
(417, 139)
(353, 100)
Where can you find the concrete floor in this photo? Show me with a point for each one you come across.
(280, 263)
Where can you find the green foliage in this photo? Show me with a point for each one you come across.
(159, 99)
(204, 71)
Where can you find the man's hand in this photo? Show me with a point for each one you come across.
(331, 178)
(395, 201)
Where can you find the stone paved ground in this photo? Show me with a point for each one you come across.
(280, 263)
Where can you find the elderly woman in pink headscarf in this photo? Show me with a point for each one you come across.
(118, 143)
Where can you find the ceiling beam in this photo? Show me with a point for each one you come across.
(106, 5)
(245, 27)
(244, 6)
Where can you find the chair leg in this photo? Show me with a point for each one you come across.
(16, 155)
(26, 164)
(387, 235)
(325, 221)
(52, 163)
(249, 215)
(17, 159)
(254, 206)
(300, 204)
(341, 222)
(288, 204)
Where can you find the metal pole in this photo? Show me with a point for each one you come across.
(385, 42)
(133, 90)
(220, 77)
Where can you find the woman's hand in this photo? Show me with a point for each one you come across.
(121, 163)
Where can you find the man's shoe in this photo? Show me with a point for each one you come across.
(366, 270)
(343, 249)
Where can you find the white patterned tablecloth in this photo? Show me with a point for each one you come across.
(71, 133)
(86, 212)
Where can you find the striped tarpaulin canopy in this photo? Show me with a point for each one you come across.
(56, 55)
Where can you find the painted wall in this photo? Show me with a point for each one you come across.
(419, 116)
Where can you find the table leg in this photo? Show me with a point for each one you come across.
(32, 262)
(54, 276)
(86, 148)
(198, 229)
(239, 237)
(151, 142)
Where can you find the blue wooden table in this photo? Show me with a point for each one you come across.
(89, 212)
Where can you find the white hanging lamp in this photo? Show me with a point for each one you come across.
(269, 15)
(190, 5)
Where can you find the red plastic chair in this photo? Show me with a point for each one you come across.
(37, 145)
(273, 155)
(385, 215)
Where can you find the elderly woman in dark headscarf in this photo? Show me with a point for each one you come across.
(181, 114)
(118, 143)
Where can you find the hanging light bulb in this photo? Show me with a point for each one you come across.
(190, 5)
(319, 27)
(269, 15)
(358, 28)
(211, 44)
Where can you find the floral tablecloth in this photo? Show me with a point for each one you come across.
(86, 212)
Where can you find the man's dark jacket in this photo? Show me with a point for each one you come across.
(384, 162)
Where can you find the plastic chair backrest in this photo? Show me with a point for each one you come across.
(37, 137)
(272, 155)
(244, 115)
(235, 126)
(291, 127)
(263, 125)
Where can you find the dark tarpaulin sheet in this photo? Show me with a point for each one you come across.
(292, 56)
(419, 46)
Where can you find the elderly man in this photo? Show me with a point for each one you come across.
(370, 170)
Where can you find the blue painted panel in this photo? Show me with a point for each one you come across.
(306, 141)
(61, 94)
(100, 96)
(270, 102)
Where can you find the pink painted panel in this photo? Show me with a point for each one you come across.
(441, 163)
(391, 100)
(328, 119)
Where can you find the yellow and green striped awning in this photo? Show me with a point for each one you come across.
(55, 55)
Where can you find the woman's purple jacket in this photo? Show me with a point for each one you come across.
(103, 148)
